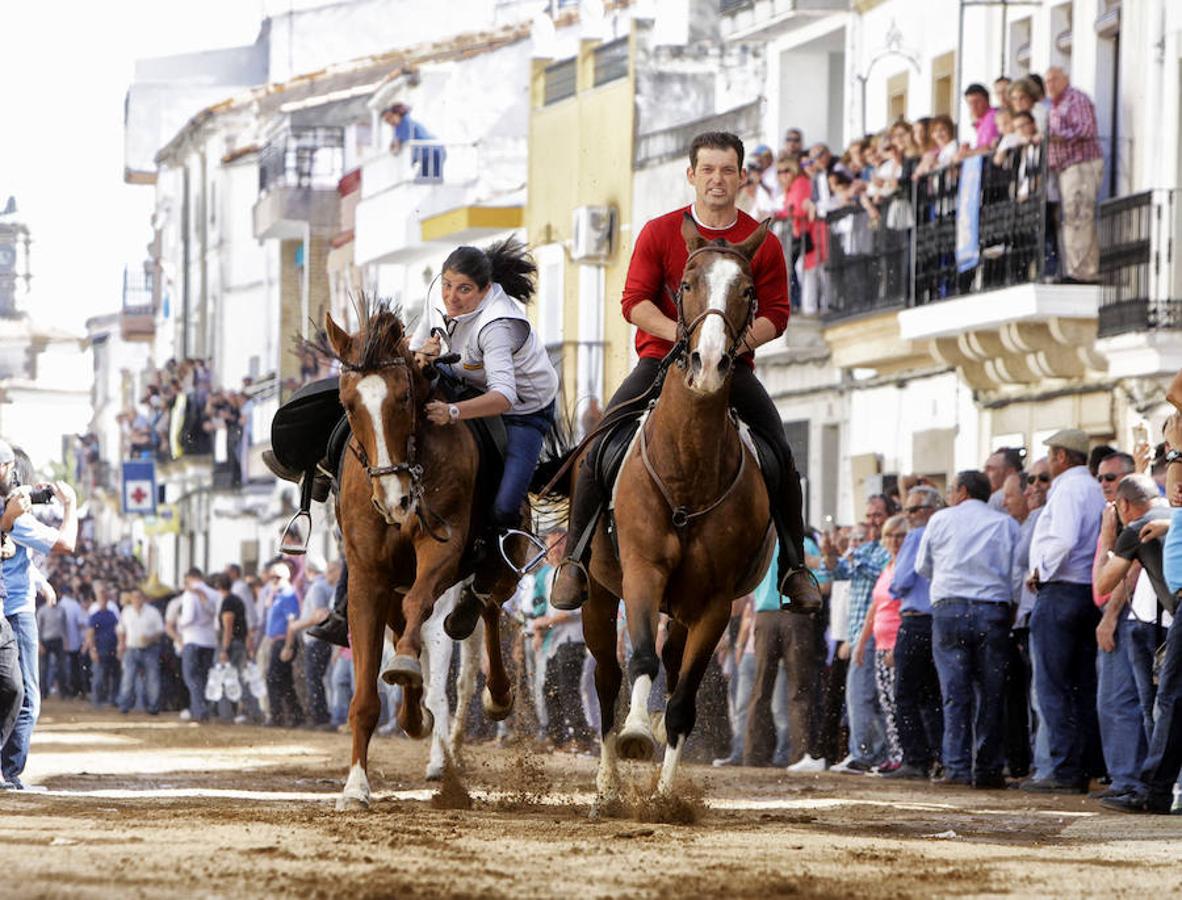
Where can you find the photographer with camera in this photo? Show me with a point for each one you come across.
(27, 535)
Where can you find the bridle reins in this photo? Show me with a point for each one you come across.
(685, 331)
(410, 467)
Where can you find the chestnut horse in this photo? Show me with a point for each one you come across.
(694, 527)
(408, 511)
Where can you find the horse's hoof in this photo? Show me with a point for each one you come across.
(494, 710)
(428, 725)
(461, 621)
(636, 743)
(351, 804)
(434, 773)
(606, 808)
(405, 671)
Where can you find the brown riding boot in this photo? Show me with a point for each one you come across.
(570, 588)
(801, 589)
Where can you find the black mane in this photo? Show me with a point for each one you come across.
(380, 339)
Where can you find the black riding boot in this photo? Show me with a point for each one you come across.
(571, 581)
(796, 581)
(335, 629)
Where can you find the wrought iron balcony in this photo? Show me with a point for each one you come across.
(299, 171)
(1136, 264)
(869, 264)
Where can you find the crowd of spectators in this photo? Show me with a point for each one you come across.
(810, 192)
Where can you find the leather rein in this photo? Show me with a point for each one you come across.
(411, 467)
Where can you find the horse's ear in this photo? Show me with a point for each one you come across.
(751, 246)
(689, 232)
(338, 338)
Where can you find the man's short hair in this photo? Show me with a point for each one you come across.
(1023, 117)
(976, 483)
(889, 502)
(931, 496)
(1126, 460)
(194, 573)
(1098, 455)
(716, 140)
(235, 568)
(1137, 489)
(976, 88)
(1001, 78)
(1013, 457)
(220, 582)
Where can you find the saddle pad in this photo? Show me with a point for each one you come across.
(302, 426)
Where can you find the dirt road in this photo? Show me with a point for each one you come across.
(158, 808)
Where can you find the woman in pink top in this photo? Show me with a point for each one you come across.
(883, 623)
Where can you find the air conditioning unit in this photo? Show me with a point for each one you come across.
(593, 234)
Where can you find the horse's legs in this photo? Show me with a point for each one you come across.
(465, 688)
(701, 641)
(672, 652)
(498, 690)
(367, 626)
(641, 598)
(599, 630)
(438, 647)
(434, 562)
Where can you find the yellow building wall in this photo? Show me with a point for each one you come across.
(580, 154)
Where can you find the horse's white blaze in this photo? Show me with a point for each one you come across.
(607, 780)
(638, 710)
(712, 339)
(669, 766)
(372, 391)
(357, 785)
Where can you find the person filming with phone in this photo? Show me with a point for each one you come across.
(27, 535)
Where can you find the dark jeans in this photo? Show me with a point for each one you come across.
(317, 655)
(970, 644)
(792, 638)
(1063, 645)
(104, 679)
(12, 688)
(918, 704)
(55, 667)
(195, 665)
(1017, 701)
(1143, 639)
(1118, 705)
(564, 703)
(1164, 761)
(755, 407)
(281, 693)
(524, 438)
(16, 748)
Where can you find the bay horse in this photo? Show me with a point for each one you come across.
(693, 520)
(407, 503)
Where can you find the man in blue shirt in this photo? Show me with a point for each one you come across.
(285, 609)
(102, 640)
(12, 690)
(28, 536)
(918, 704)
(967, 553)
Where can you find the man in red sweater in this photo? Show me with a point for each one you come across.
(658, 260)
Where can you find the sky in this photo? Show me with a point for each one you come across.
(64, 69)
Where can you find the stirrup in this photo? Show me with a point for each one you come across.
(294, 541)
(533, 562)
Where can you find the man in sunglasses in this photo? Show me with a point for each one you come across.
(1038, 482)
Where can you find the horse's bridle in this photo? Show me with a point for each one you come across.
(411, 467)
(685, 331)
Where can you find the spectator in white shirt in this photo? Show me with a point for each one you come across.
(140, 629)
(197, 627)
(1063, 624)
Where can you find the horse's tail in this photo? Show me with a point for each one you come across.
(551, 485)
(551, 481)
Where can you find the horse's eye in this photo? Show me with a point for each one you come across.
(685, 286)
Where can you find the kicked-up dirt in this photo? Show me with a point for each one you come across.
(153, 807)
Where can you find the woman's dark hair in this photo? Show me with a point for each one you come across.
(506, 262)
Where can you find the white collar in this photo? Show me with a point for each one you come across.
(701, 224)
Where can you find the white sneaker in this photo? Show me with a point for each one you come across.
(185, 715)
(808, 765)
(239, 719)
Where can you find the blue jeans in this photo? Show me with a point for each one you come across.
(195, 665)
(16, 748)
(104, 679)
(970, 644)
(867, 728)
(919, 708)
(1164, 761)
(342, 690)
(12, 687)
(1143, 639)
(145, 660)
(1118, 704)
(1063, 646)
(524, 438)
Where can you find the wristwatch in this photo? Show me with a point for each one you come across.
(1174, 456)
(453, 413)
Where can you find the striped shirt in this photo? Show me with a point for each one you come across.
(862, 569)
(1072, 127)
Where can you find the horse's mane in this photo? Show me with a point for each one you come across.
(381, 338)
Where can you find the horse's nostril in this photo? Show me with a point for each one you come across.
(404, 503)
(696, 361)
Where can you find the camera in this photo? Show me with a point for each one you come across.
(45, 495)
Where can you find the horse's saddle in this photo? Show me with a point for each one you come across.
(311, 430)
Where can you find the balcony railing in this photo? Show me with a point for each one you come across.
(311, 157)
(138, 293)
(726, 6)
(921, 247)
(1136, 264)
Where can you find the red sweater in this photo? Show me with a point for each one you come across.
(659, 258)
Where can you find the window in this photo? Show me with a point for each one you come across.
(560, 81)
(943, 72)
(611, 61)
(897, 97)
